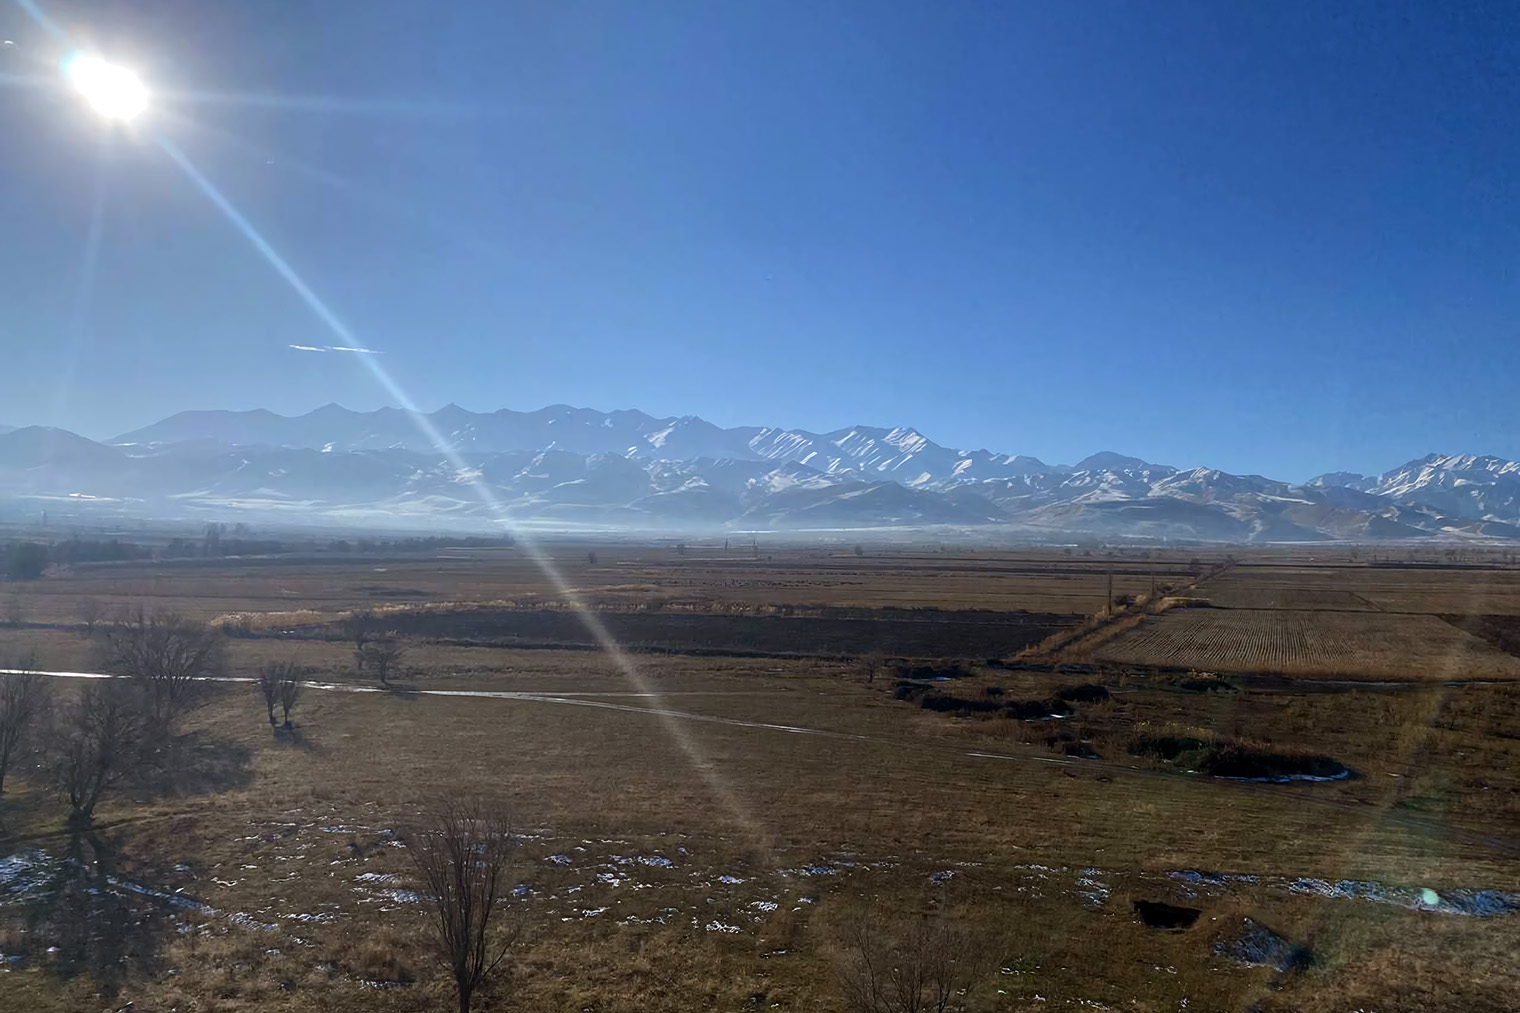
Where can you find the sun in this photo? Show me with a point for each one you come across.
(112, 91)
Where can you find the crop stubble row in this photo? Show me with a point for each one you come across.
(1309, 643)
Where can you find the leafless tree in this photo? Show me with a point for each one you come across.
(271, 673)
(169, 657)
(24, 698)
(91, 611)
(380, 655)
(16, 610)
(100, 744)
(292, 682)
(462, 854)
(925, 965)
(360, 627)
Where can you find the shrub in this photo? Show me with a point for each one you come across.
(1035, 710)
(1086, 693)
(1166, 746)
(937, 670)
(1203, 682)
(957, 705)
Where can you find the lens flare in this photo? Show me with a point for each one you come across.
(705, 768)
(112, 91)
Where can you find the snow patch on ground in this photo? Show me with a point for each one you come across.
(1458, 901)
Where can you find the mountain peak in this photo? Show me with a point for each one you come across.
(1107, 460)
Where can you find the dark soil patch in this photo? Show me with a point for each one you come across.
(1086, 693)
(946, 703)
(893, 632)
(958, 705)
(1161, 915)
(1501, 631)
(1236, 760)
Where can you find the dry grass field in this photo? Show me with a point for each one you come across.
(1426, 590)
(1352, 644)
(697, 827)
(703, 576)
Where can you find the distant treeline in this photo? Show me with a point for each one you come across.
(29, 560)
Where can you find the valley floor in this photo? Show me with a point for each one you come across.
(701, 818)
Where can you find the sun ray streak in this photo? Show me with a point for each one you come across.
(38, 15)
(358, 194)
(27, 81)
(327, 104)
(79, 324)
(704, 767)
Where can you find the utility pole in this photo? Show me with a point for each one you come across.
(1108, 602)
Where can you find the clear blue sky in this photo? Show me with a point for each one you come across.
(1268, 237)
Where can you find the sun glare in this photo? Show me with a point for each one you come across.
(112, 91)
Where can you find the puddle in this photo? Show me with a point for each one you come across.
(1287, 778)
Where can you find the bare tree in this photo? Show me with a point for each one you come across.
(380, 655)
(169, 657)
(462, 854)
(268, 683)
(360, 627)
(24, 697)
(90, 612)
(292, 682)
(16, 610)
(925, 965)
(100, 744)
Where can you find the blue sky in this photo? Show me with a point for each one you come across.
(1277, 238)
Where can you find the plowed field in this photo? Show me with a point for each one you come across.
(1350, 644)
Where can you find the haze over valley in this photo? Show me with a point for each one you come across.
(580, 469)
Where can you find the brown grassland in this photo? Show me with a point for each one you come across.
(700, 817)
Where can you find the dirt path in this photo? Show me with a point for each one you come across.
(588, 699)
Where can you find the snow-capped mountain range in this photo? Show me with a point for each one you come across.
(578, 466)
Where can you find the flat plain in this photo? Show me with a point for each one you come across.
(702, 807)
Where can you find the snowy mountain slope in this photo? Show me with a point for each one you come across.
(575, 465)
(1342, 480)
(902, 455)
(1467, 487)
